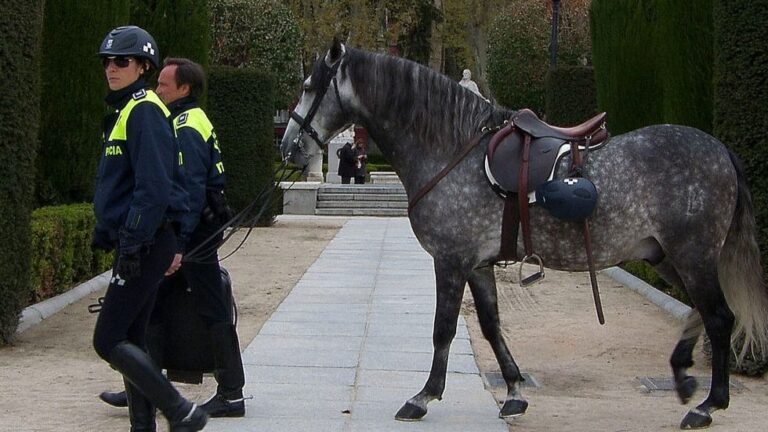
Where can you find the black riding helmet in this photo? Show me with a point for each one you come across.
(131, 41)
(571, 199)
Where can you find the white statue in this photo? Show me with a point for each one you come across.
(466, 82)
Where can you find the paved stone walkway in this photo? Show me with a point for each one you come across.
(353, 341)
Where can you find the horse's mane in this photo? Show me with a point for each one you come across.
(437, 109)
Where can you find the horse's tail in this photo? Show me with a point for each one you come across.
(740, 272)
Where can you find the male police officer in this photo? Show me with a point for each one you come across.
(179, 85)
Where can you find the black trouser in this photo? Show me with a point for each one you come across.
(120, 337)
(213, 304)
(128, 304)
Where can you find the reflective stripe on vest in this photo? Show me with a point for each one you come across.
(119, 132)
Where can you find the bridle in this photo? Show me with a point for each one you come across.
(304, 122)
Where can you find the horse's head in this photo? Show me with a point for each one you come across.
(320, 114)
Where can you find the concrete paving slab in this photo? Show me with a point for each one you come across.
(353, 341)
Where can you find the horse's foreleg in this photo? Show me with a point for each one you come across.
(482, 282)
(450, 289)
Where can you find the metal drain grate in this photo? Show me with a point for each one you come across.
(495, 380)
(668, 384)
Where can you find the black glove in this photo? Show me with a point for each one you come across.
(100, 240)
(128, 265)
(217, 210)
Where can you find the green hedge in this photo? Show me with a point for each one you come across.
(741, 111)
(653, 62)
(741, 96)
(259, 34)
(571, 96)
(241, 109)
(20, 38)
(180, 27)
(61, 250)
(74, 86)
(517, 55)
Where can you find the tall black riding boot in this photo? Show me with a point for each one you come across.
(137, 367)
(228, 400)
(155, 347)
(141, 410)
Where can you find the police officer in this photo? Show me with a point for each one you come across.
(179, 85)
(136, 203)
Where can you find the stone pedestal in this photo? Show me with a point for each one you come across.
(315, 170)
(300, 198)
(333, 161)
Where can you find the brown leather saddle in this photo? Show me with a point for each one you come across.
(523, 155)
(548, 144)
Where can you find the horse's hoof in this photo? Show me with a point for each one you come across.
(696, 419)
(410, 412)
(513, 408)
(686, 389)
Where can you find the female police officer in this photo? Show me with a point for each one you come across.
(136, 205)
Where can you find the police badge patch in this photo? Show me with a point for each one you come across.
(182, 119)
(140, 94)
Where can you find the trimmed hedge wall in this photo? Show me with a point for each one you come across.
(653, 62)
(741, 111)
(571, 95)
(20, 37)
(741, 96)
(241, 108)
(61, 250)
(73, 89)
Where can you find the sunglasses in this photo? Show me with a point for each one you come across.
(121, 62)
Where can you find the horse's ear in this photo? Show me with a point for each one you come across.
(335, 53)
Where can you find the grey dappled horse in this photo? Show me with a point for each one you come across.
(670, 195)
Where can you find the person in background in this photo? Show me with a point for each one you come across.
(347, 155)
(138, 205)
(362, 162)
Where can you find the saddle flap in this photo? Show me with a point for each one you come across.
(504, 161)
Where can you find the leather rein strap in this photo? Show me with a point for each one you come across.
(436, 179)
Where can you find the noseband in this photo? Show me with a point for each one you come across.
(304, 122)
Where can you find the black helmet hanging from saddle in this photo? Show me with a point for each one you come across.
(130, 41)
(570, 199)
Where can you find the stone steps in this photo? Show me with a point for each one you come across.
(382, 199)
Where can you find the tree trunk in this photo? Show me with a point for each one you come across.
(436, 52)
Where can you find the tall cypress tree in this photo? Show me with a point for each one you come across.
(73, 89)
(180, 27)
(20, 34)
(653, 62)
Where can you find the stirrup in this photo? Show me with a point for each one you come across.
(532, 279)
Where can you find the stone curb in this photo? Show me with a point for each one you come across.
(32, 315)
(674, 307)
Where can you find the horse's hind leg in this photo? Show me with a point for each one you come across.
(703, 288)
(482, 283)
(682, 356)
(450, 289)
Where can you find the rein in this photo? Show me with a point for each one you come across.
(459, 157)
